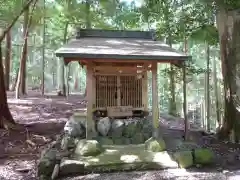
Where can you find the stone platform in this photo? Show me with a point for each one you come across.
(112, 131)
(116, 148)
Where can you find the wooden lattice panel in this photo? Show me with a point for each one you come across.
(131, 91)
(121, 90)
(106, 91)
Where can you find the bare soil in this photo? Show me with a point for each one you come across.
(41, 118)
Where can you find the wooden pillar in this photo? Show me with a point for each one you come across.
(155, 111)
(90, 126)
(145, 91)
(185, 103)
(118, 91)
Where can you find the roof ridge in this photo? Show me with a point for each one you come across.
(115, 34)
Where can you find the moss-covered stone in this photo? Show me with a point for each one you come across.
(184, 158)
(47, 162)
(127, 141)
(117, 128)
(70, 167)
(88, 148)
(105, 141)
(155, 145)
(122, 157)
(130, 129)
(203, 156)
(118, 141)
(138, 138)
(68, 142)
(147, 135)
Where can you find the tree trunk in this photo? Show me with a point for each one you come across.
(7, 60)
(215, 84)
(230, 53)
(43, 50)
(5, 114)
(13, 88)
(21, 81)
(172, 99)
(208, 123)
(64, 89)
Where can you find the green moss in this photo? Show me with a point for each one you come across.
(138, 138)
(118, 158)
(155, 145)
(88, 148)
(184, 159)
(130, 130)
(105, 141)
(203, 156)
(118, 141)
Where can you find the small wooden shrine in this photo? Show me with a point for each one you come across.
(117, 63)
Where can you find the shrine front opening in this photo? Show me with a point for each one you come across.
(117, 63)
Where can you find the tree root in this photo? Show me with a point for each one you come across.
(8, 124)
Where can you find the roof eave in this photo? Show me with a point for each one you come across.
(122, 57)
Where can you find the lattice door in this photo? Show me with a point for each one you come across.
(131, 91)
(118, 91)
(106, 91)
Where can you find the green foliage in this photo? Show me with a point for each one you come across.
(183, 23)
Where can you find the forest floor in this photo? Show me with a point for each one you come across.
(41, 118)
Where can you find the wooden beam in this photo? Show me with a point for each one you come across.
(104, 60)
(155, 110)
(90, 127)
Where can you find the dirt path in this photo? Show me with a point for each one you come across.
(42, 118)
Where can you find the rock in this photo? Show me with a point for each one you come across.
(70, 167)
(118, 141)
(47, 162)
(155, 145)
(117, 128)
(68, 142)
(130, 128)
(164, 160)
(55, 171)
(203, 156)
(147, 135)
(184, 158)
(88, 148)
(48, 153)
(75, 126)
(147, 127)
(126, 141)
(138, 138)
(195, 136)
(103, 126)
(187, 146)
(105, 141)
(43, 177)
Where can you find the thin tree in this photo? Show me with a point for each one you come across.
(7, 60)
(6, 119)
(20, 87)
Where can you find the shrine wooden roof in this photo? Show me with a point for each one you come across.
(116, 44)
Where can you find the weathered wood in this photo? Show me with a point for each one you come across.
(104, 60)
(90, 127)
(155, 110)
(120, 111)
(145, 91)
(186, 124)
